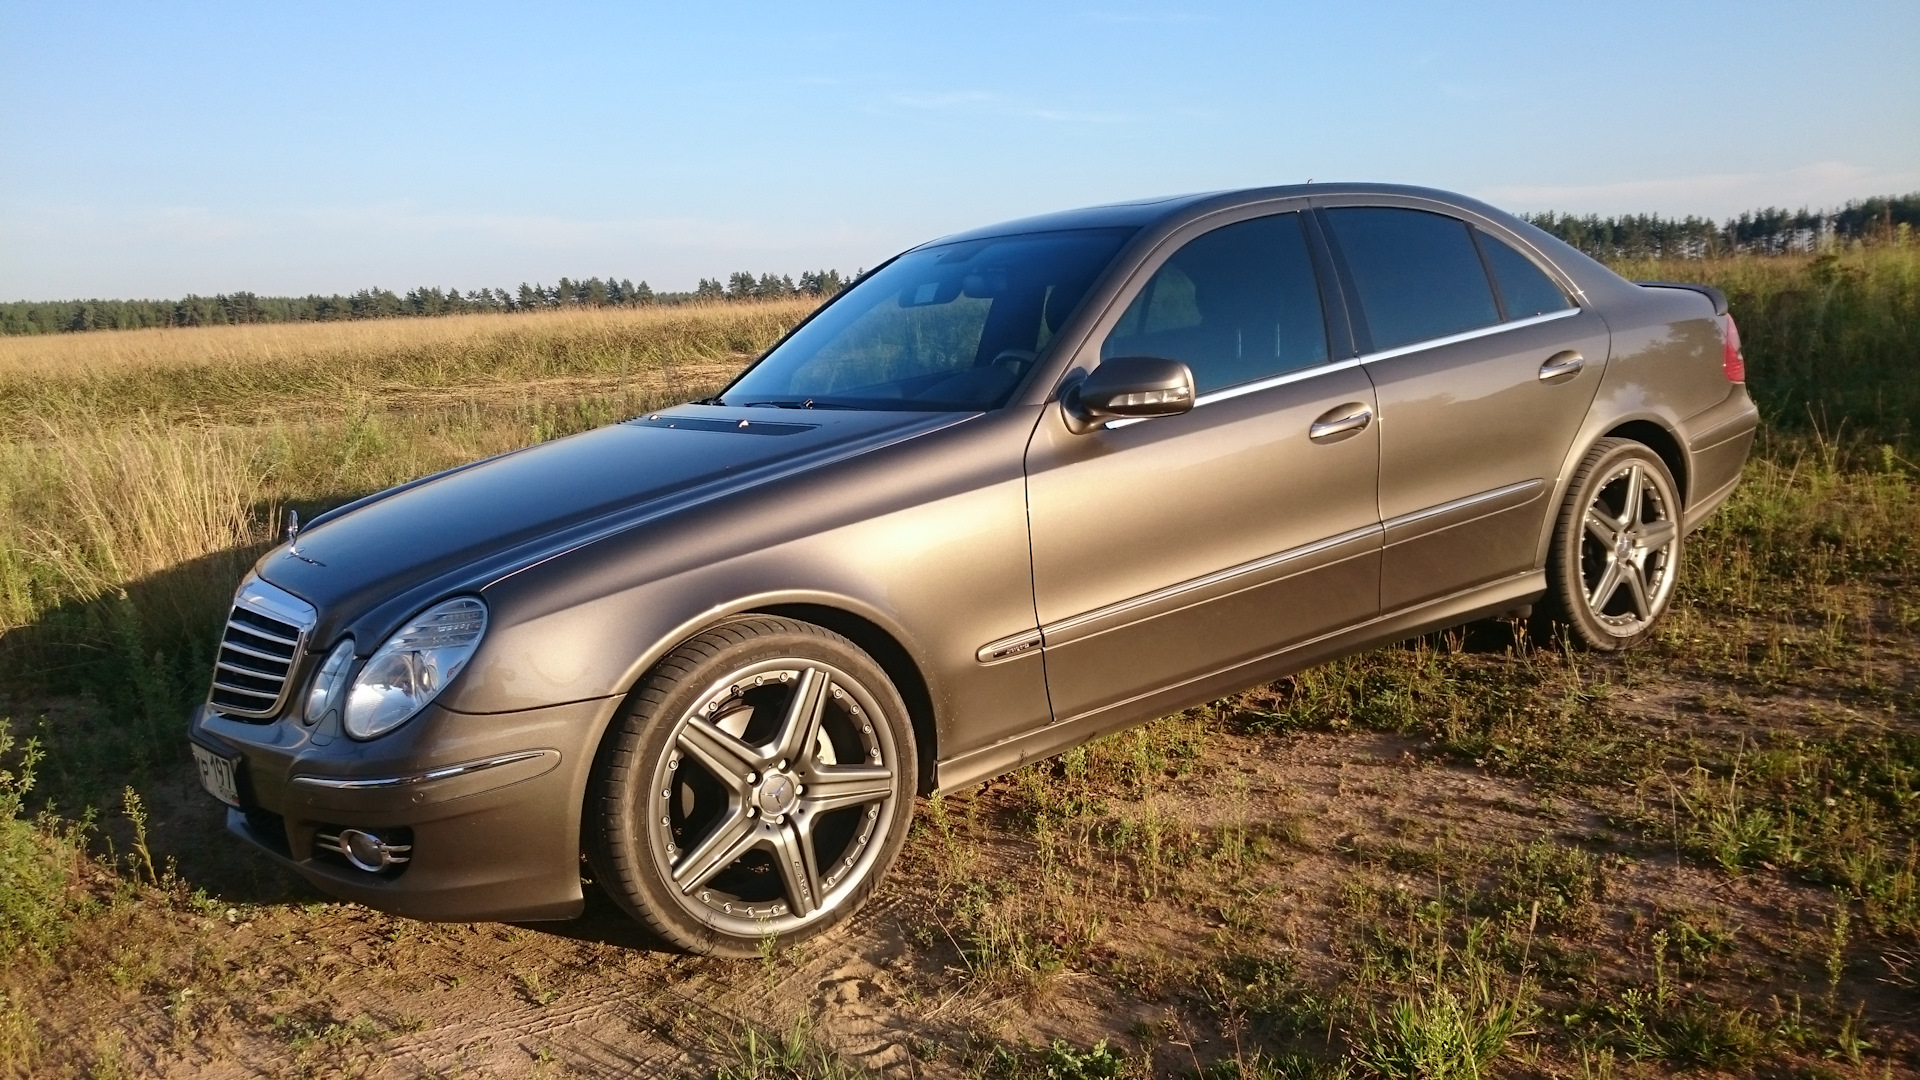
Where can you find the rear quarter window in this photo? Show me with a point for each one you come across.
(1526, 289)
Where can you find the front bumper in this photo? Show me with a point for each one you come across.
(490, 803)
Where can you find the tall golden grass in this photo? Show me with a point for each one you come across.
(649, 330)
(232, 374)
(126, 456)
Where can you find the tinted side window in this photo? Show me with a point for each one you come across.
(1417, 273)
(1236, 304)
(1526, 288)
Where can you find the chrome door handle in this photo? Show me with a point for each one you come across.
(1340, 422)
(1562, 366)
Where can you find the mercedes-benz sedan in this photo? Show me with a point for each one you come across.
(1013, 489)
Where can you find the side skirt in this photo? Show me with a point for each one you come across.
(1478, 602)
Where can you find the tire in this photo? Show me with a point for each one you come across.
(1611, 570)
(755, 788)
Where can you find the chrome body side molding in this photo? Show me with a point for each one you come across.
(1460, 511)
(1207, 586)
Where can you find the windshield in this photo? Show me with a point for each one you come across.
(949, 328)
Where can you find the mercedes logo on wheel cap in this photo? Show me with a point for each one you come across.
(778, 794)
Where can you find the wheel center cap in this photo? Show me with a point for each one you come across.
(1623, 546)
(777, 795)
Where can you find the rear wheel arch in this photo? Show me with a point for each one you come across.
(1654, 434)
(1616, 550)
(1662, 442)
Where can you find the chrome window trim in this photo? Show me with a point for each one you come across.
(1243, 389)
(1469, 335)
(1301, 374)
(1297, 375)
(381, 783)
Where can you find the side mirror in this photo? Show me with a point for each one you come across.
(1127, 387)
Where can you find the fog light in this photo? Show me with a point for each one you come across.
(365, 850)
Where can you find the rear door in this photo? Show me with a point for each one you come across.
(1174, 549)
(1481, 390)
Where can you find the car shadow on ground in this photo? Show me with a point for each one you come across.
(602, 922)
(105, 686)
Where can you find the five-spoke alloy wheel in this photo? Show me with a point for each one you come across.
(756, 788)
(1616, 547)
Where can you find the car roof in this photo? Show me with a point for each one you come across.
(1167, 209)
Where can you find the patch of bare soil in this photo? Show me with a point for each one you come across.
(261, 977)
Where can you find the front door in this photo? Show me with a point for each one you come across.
(1175, 549)
(1481, 391)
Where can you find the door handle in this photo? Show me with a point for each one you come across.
(1562, 366)
(1340, 422)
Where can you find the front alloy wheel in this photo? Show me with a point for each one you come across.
(1616, 548)
(778, 769)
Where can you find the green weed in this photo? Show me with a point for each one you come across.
(795, 1054)
(38, 860)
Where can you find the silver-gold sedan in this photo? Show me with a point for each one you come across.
(1013, 489)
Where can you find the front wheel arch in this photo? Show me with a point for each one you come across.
(833, 611)
(619, 857)
(893, 658)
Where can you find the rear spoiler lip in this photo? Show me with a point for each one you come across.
(1719, 298)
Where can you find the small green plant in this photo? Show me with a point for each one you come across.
(1444, 1032)
(1837, 947)
(534, 987)
(795, 1054)
(1285, 1066)
(1454, 1012)
(19, 1039)
(136, 814)
(1098, 1062)
(38, 857)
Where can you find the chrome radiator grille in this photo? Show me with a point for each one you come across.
(260, 650)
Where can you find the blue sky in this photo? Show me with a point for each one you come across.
(154, 149)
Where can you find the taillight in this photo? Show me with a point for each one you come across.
(1731, 362)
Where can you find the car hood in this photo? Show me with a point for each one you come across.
(473, 524)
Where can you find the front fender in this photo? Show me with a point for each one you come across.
(928, 545)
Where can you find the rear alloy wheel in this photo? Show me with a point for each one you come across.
(756, 789)
(1616, 547)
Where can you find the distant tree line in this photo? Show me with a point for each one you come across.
(1766, 232)
(1771, 231)
(225, 309)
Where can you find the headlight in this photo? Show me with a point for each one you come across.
(414, 665)
(330, 682)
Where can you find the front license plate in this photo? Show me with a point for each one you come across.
(217, 775)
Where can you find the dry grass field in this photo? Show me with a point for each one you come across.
(1458, 857)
